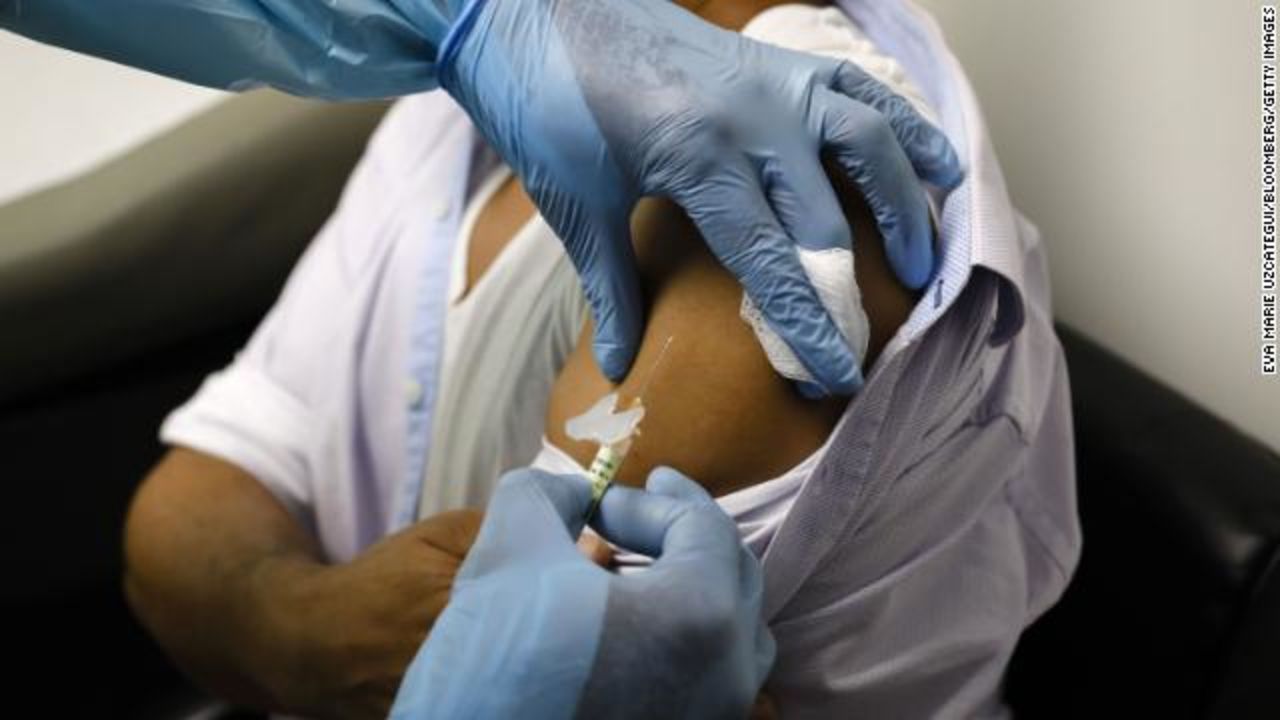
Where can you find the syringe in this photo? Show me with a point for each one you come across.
(612, 431)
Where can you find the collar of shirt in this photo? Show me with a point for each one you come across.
(979, 225)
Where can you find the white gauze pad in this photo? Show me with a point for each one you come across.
(831, 272)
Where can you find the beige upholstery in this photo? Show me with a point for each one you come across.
(191, 232)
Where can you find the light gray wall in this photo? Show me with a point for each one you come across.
(1129, 132)
(61, 113)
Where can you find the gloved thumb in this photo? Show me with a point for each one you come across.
(532, 514)
(674, 517)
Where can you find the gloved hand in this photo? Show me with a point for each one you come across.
(596, 103)
(534, 629)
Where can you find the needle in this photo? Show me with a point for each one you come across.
(653, 370)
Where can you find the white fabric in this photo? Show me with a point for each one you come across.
(828, 31)
(318, 403)
(329, 438)
(825, 31)
(831, 273)
(940, 522)
(758, 509)
(505, 340)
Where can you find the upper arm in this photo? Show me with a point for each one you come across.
(196, 523)
(189, 494)
(714, 407)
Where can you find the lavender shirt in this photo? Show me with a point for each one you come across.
(940, 524)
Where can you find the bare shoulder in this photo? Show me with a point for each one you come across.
(715, 409)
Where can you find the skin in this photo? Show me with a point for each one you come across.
(714, 407)
(237, 591)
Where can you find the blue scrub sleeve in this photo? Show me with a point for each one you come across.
(337, 49)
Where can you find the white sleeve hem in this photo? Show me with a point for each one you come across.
(245, 418)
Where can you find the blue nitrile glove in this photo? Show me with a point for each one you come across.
(534, 629)
(596, 103)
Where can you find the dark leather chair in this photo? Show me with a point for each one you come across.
(1175, 609)
(120, 290)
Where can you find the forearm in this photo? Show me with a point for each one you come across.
(213, 563)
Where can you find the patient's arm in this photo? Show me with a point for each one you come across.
(235, 588)
(715, 408)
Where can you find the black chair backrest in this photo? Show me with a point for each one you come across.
(1175, 609)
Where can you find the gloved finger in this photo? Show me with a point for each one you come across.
(734, 217)
(635, 519)
(531, 514)
(670, 515)
(672, 483)
(703, 548)
(930, 152)
(669, 482)
(601, 251)
(861, 141)
(802, 198)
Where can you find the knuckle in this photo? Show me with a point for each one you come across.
(842, 73)
(713, 118)
(851, 80)
(690, 149)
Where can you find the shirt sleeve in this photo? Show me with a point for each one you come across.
(345, 50)
(245, 417)
(263, 412)
(259, 412)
